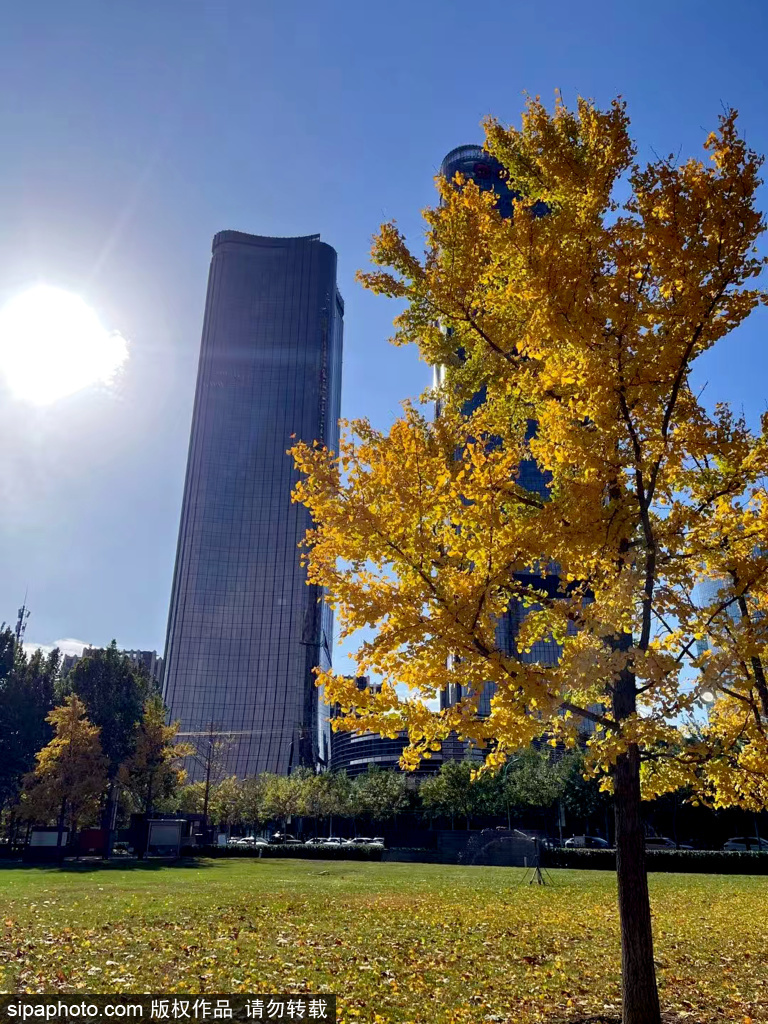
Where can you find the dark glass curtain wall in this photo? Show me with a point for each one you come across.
(244, 629)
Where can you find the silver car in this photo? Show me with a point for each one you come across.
(744, 843)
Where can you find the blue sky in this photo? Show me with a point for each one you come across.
(134, 132)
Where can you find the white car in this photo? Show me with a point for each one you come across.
(359, 841)
(743, 843)
(587, 843)
(330, 842)
(247, 843)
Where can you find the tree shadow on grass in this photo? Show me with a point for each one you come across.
(82, 867)
(666, 1018)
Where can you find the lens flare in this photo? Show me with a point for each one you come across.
(52, 344)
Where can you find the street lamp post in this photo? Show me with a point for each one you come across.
(503, 773)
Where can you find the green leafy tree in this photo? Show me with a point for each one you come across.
(254, 792)
(70, 777)
(26, 700)
(114, 692)
(582, 797)
(190, 798)
(7, 652)
(454, 793)
(532, 780)
(381, 795)
(153, 771)
(226, 805)
(343, 799)
(319, 797)
(282, 798)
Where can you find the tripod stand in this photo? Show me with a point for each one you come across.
(537, 875)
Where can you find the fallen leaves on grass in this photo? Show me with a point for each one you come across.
(397, 943)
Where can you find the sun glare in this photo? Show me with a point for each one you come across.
(52, 344)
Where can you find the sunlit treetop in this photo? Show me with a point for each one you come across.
(587, 320)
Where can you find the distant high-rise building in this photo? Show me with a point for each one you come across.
(477, 165)
(146, 660)
(244, 629)
(149, 661)
(712, 592)
(354, 753)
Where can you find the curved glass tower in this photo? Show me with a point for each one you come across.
(481, 167)
(244, 629)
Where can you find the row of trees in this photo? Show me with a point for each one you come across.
(377, 796)
(78, 748)
(82, 744)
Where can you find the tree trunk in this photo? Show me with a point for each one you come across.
(640, 994)
(108, 818)
(674, 823)
(60, 835)
(150, 796)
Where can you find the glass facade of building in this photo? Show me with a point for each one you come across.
(475, 164)
(244, 629)
(353, 754)
(712, 592)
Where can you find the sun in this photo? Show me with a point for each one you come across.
(52, 344)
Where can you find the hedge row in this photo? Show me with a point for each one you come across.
(711, 862)
(416, 855)
(280, 850)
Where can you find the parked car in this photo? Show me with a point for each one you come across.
(664, 843)
(550, 843)
(587, 843)
(377, 841)
(247, 842)
(358, 841)
(331, 841)
(281, 837)
(742, 843)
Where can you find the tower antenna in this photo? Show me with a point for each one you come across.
(21, 622)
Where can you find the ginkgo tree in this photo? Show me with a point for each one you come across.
(70, 777)
(586, 322)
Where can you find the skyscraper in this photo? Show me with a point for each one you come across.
(355, 753)
(477, 165)
(244, 629)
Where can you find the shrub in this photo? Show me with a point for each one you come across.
(714, 862)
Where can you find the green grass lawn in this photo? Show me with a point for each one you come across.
(395, 942)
